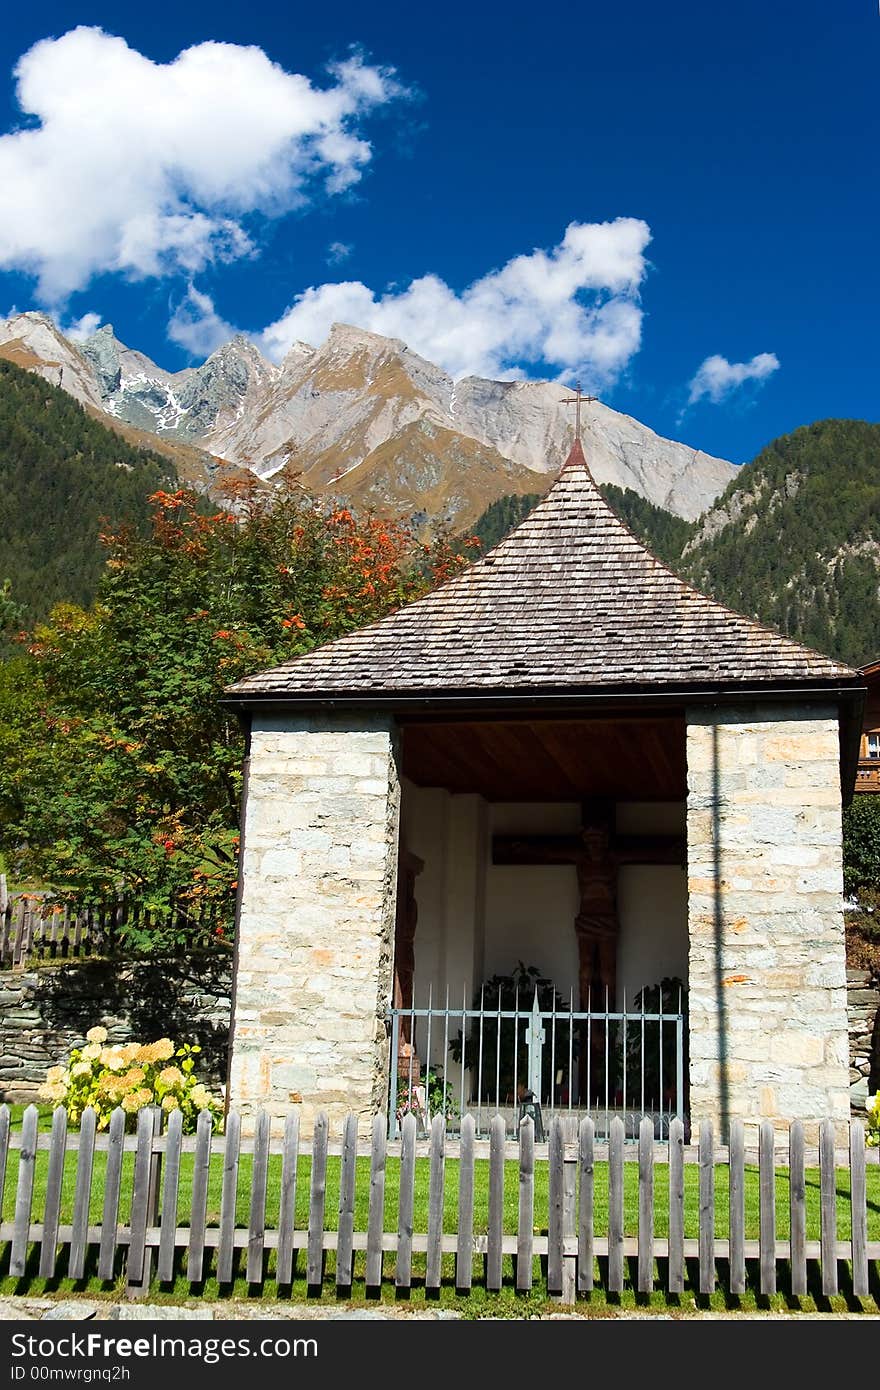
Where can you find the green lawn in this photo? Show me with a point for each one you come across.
(34, 1285)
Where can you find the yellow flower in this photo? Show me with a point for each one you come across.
(130, 1102)
(52, 1091)
(97, 1035)
(171, 1076)
(147, 1053)
(56, 1074)
(129, 1052)
(112, 1059)
(81, 1069)
(92, 1051)
(170, 1103)
(163, 1049)
(143, 1096)
(132, 1078)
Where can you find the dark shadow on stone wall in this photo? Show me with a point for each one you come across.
(46, 1011)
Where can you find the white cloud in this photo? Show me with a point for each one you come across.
(574, 308)
(144, 168)
(716, 378)
(337, 252)
(82, 328)
(196, 325)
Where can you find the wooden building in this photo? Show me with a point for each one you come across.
(868, 770)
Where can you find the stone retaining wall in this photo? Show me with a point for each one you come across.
(46, 1011)
(863, 1008)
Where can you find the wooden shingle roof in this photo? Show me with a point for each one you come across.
(569, 601)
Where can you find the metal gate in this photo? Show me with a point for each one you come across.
(513, 1061)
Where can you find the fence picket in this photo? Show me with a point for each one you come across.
(287, 1210)
(82, 1194)
(646, 1205)
(403, 1269)
(554, 1207)
(229, 1198)
(170, 1192)
(376, 1215)
(317, 1197)
(54, 1179)
(526, 1215)
(797, 1209)
(737, 1213)
(436, 1182)
(615, 1205)
(464, 1254)
(195, 1260)
(828, 1207)
(858, 1208)
(112, 1179)
(344, 1248)
(586, 1197)
(675, 1270)
(767, 1206)
(257, 1219)
(707, 1208)
(496, 1204)
(4, 1150)
(24, 1193)
(137, 1246)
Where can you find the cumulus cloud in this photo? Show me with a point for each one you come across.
(142, 168)
(196, 325)
(82, 328)
(574, 308)
(716, 378)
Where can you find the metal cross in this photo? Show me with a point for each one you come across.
(576, 400)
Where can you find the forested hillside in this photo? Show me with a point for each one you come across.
(795, 539)
(61, 475)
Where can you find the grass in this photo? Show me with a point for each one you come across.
(480, 1301)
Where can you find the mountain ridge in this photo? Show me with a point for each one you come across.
(368, 408)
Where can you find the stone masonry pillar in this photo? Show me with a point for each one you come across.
(315, 928)
(767, 967)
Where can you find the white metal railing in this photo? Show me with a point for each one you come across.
(492, 1060)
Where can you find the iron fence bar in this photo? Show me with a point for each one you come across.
(498, 1057)
(570, 1044)
(463, 1043)
(624, 1054)
(660, 1081)
(446, 1045)
(679, 1067)
(553, 1054)
(480, 1061)
(392, 1080)
(515, 1054)
(428, 1114)
(642, 1068)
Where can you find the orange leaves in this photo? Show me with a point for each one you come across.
(295, 620)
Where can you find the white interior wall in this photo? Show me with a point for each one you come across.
(477, 919)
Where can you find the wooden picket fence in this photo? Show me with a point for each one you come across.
(33, 927)
(569, 1246)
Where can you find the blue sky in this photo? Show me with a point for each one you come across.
(678, 204)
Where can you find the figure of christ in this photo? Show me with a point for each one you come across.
(597, 857)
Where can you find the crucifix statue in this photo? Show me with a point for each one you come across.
(576, 400)
(597, 854)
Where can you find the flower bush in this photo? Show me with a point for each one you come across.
(130, 1075)
(872, 1132)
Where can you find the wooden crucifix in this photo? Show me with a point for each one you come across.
(597, 854)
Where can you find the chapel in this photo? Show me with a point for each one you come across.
(567, 759)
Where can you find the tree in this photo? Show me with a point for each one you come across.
(119, 765)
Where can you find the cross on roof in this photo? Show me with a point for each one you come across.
(576, 400)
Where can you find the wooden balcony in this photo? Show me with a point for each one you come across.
(868, 775)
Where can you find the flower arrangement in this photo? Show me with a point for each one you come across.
(130, 1075)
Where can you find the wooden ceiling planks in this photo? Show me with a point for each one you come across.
(550, 760)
